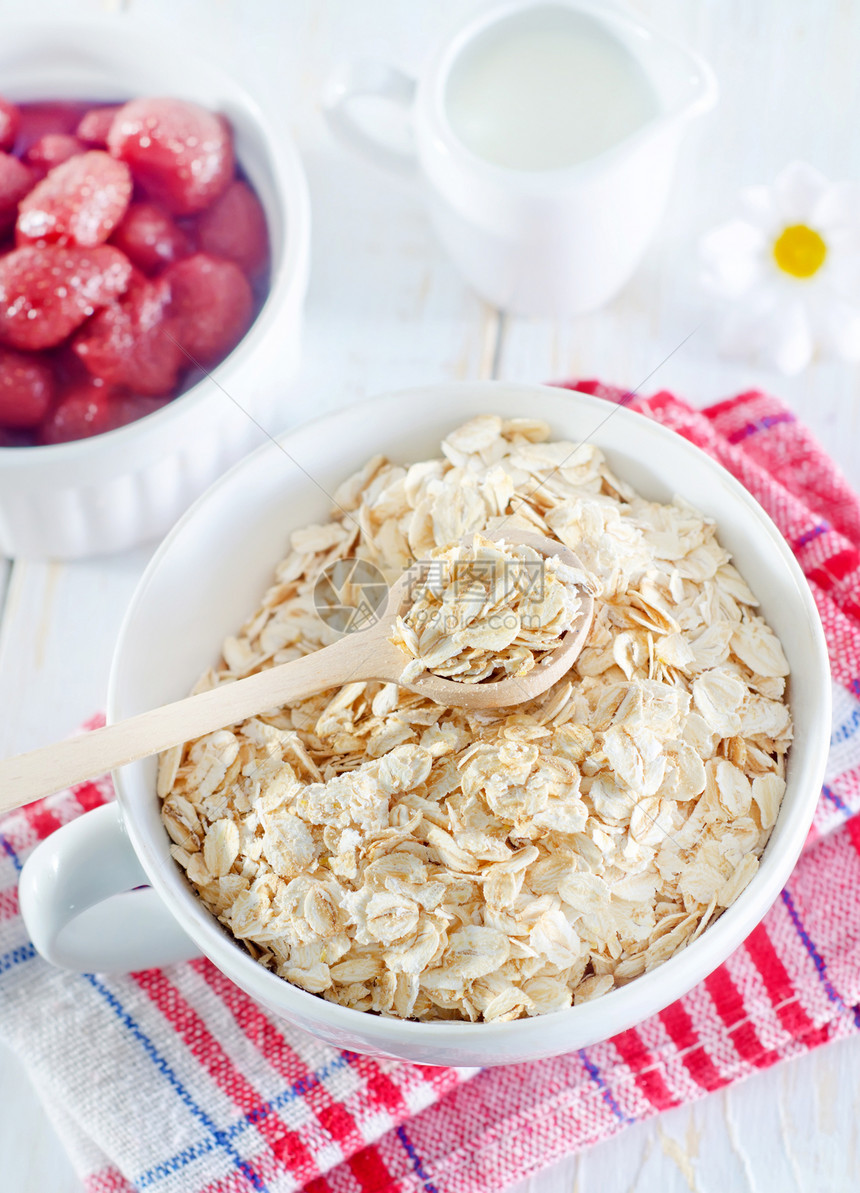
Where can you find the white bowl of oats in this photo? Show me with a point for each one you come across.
(444, 885)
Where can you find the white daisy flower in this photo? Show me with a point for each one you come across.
(789, 271)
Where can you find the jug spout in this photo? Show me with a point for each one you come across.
(685, 84)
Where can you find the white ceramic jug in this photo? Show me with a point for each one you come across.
(556, 240)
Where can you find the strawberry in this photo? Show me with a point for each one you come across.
(45, 293)
(9, 438)
(52, 150)
(83, 410)
(128, 408)
(15, 181)
(26, 389)
(213, 303)
(92, 407)
(180, 153)
(94, 126)
(150, 238)
(234, 227)
(10, 120)
(78, 202)
(133, 341)
(39, 119)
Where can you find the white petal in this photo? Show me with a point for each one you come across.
(791, 339)
(841, 270)
(838, 209)
(797, 192)
(836, 325)
(758, 204)
(770, 328)
(732, 237)
(732, 256)
(741, 331)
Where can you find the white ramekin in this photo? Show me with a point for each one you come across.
(129, 485)
(210, 572)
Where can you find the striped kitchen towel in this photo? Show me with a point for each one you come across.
(174, 1081)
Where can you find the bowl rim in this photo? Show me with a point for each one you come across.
(631, 1003)
(288, 282)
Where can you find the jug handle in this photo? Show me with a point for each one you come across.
(83, 906)
(368, 77)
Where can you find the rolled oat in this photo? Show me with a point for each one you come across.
(399, 857)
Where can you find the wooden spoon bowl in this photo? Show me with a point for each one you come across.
(500, 692)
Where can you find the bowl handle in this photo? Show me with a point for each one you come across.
(82, 904)
(367, 77)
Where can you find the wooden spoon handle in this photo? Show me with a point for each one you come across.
(28, 776)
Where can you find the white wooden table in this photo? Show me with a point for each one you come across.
(385, 310)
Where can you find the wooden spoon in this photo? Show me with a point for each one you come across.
(358, 656)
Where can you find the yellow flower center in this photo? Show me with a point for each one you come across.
(799, 251)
